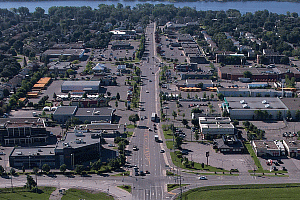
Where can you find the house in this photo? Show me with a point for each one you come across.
(59, 67)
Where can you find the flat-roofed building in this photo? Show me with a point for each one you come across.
(258, 73)
(73, 54)
(293, 104)
(86, 86)
(264, 148)
(211, 127)
(292, 147)
(23, 131)
(59, 67)
(245, 108)
(63, 113)
(103, 114)
(33, 157)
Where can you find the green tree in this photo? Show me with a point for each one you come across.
(96, 165)
(174, 114)
(288, 115)
(297, 115)
(118, 96)
(185, 122)
(116, 104)
(199, 85)
(79, 169)
(178, 142)
(247, 74)
(35, 170)
(279, 115)
(46, 168)
(134, 118)
(30, 182)
(204, 95)
(1, 170)
(63, 168)
(12, 171)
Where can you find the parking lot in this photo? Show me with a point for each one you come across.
(197, 153)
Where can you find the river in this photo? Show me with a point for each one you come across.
(242, 6)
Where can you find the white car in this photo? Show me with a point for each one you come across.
(147, 91)
(202, 178)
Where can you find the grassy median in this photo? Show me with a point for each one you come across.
(245, 192)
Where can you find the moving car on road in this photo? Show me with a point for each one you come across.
(202, 178)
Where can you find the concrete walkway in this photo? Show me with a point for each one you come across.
(56, 195)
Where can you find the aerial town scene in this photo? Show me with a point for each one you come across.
(149, 101)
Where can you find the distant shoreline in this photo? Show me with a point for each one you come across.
(171, 1)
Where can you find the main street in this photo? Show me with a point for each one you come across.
(148, 157)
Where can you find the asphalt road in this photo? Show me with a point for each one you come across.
(148, 157)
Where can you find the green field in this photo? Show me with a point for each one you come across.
(72, 194)
(245, 192)
(24, 194)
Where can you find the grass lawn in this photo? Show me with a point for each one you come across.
(168, 134)
(169, 144)
(197, 166)
(127, 173)
(72, 194)
(129, 133)
(125, 187)
(245, 192)
(174, 186)
(23, 194)
(130, 126)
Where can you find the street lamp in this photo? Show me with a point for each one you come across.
(72, 160)
(29, 160)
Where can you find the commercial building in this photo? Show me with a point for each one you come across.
(243, 108)
(245, 92)
(269, 56)
(258, 73)
(121, 45)
(87, 86)
(77, 148)
(23, 131)
(72, 54)
(293, 105)
(211, 127)
(229, 144)
(31, 157)
(59, 67)
(63, 113)
(264, 148)
(292, 147)
(103, 114)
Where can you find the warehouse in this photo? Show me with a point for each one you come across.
(245, 108)
(86, 86)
